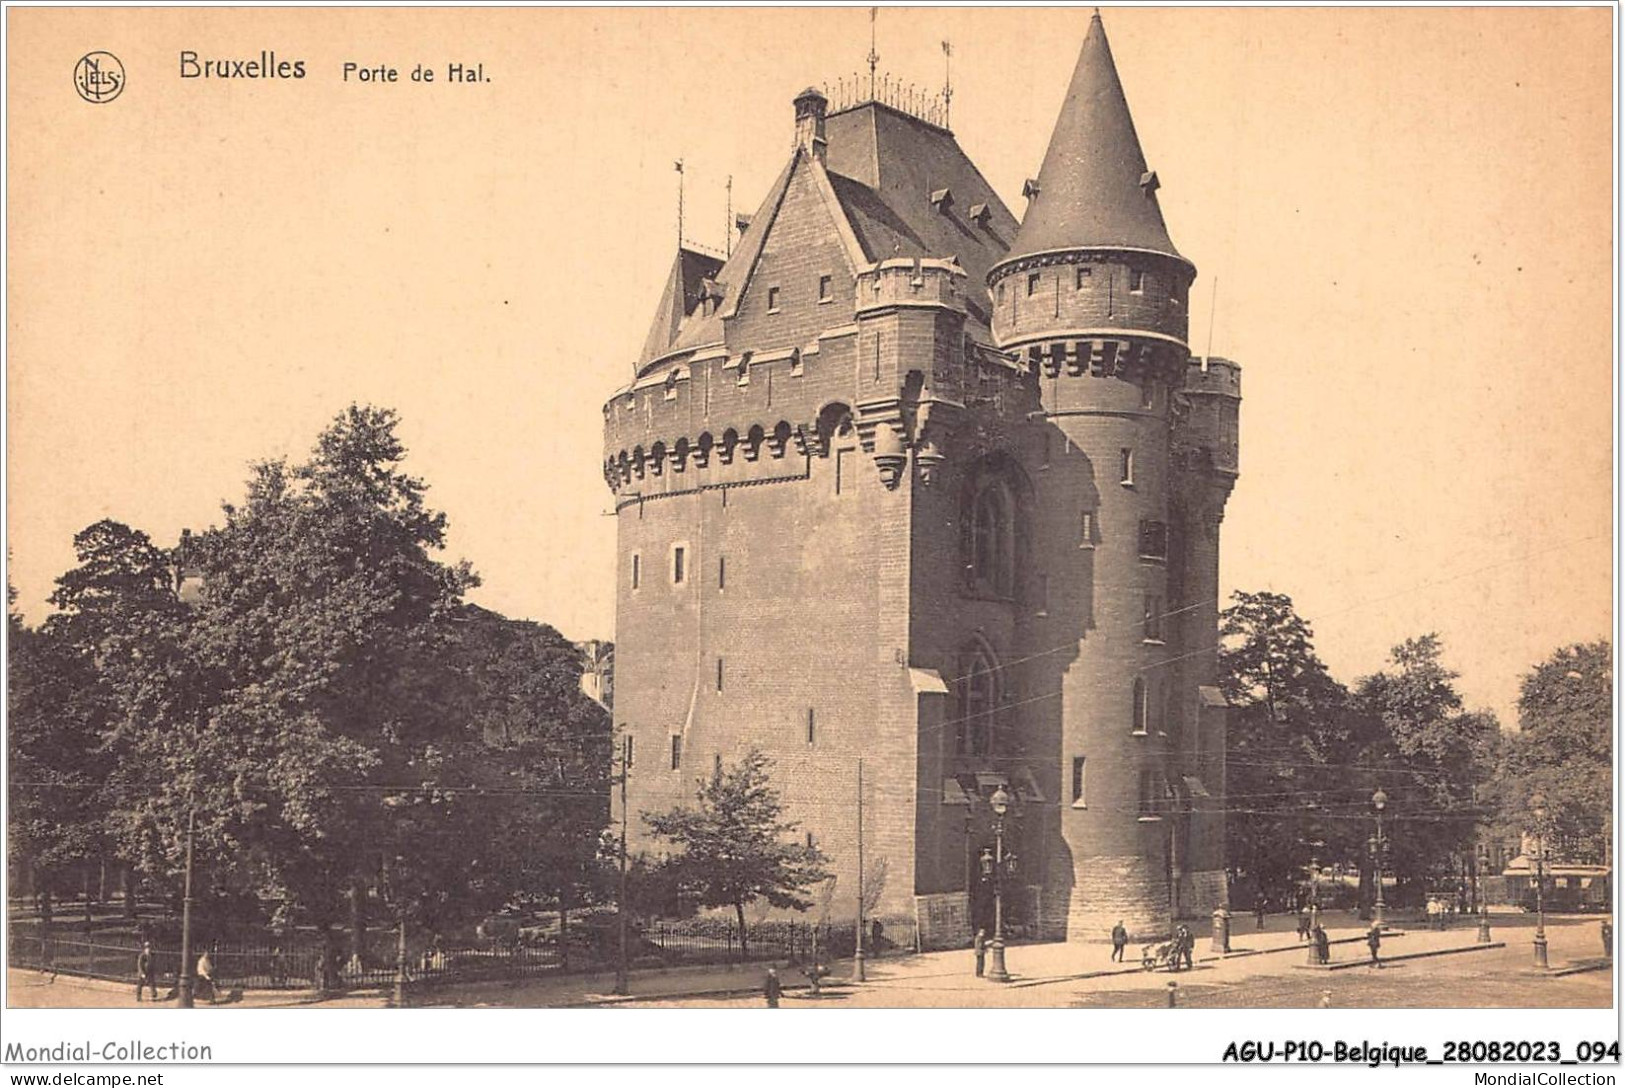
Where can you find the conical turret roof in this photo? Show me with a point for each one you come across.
(1094, 189)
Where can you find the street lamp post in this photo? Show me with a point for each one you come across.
(1001, 803)
(1379, 801)
(1537, 808)
(1478, 893)
(183, 982)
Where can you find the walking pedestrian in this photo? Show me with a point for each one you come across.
(205, 978)
(771, 988)
(1323, 946)
(146, 971)
(1303, 923)
(1119, 941)
(1433, 913)
(1184, 942)
(981, 951)
(1373, 941)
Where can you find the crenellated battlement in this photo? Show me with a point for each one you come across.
(902, 282)
(1213, 376)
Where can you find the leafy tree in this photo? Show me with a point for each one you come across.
(733, 843)
(347, 727)
(1289, 732)
(1441, 755)
(1564, 750)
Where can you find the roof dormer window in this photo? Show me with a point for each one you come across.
(942, 200)
(981, 214)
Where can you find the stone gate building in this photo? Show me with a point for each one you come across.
(908, 481)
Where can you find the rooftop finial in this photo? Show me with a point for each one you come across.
(874, 57)
(947, 81)
(679, 166)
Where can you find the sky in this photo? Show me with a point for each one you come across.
(1402, 220)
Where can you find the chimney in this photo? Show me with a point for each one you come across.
(810, 109)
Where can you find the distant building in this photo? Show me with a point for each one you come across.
(908, 481)
(598, 670)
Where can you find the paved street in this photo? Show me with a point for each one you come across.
(1046, 976)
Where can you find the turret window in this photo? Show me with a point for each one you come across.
(1085, 274)
(1136, 282)
(637, 570)
(1032, 283)
(1153, 618)
(1153, 539)
(1079, 767)
(1088, 530)
(1126, 465)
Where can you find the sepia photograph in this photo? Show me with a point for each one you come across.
(1090, 511)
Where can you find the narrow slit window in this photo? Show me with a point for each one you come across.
(812, 726)
(1085, 274)
(719, 674)
(1087, 530)
(679, 567)
(1032, 283)
(772, 300)
(716, 765)
(1043, 594)
(1127, 464)
(826, 290)
(676, 751)
(637, 570)
(1136, 282)
(1140, 710)
(1079, 763)
(1153, 618)
(722, 572)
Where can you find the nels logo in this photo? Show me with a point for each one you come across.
(98, 77)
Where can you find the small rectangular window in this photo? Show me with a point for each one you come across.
(812, 726)
(1001, 292)
(679, 557)
(1127, 464)
(1032, 283)
(722, 572)
(629, 751)
(1153, 618)
(1087, 530)
(1153, 539)
(772, 300)
(826, 290)
(719, 674)
(1085, 273)
(1136, 282)
(676, 751)
(1148, 394)
(637, 571)
(1078, 763)
(1043, 594)
(811, 842)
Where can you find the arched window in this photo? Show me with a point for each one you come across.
(991, 558)
(978, 703)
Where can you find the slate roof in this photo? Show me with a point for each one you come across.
(688, 273)
(1094, 189)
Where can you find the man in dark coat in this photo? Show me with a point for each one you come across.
(1184, 942)
(1373, 940)
(1323, 945)
(1119, 940)
(980, 945)
(771, 988)
(146, 971)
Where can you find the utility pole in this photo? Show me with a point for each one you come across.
(621, 983)
(857, 955)
(183, 982)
